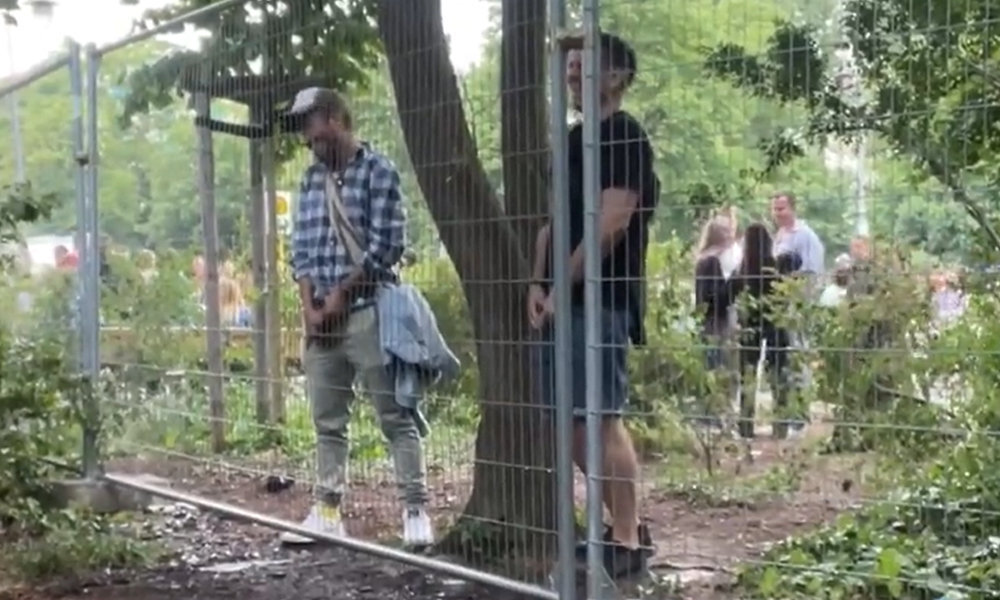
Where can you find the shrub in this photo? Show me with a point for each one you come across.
(934, 536)
(40, 418)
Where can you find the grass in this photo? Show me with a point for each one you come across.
(175, 421)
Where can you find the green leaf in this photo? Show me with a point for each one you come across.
(769, 581)
(888, 566)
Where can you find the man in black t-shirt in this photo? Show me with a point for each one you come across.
(629, 194)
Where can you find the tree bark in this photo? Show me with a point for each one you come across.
(524, 122)
(513, 479)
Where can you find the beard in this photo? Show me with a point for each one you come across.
(323, 151)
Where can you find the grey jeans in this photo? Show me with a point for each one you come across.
(330, 373)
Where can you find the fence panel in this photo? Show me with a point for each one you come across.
(202, 204)
(741, 282)
(803, 409)
(42, 183)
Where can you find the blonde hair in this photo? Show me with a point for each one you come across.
(230, 299)
(731, 215)
(715, 233)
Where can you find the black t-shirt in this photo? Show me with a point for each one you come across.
(626, 163)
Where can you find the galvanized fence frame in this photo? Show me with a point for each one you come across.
(86, 225)
(565, 575)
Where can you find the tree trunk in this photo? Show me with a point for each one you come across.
(524, 123)
(513, 478)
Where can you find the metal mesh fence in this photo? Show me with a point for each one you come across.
(262, 418)
(713, 283)
(40, 288)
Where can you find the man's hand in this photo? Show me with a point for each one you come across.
(313, 316)
(538, 305)
(335, 303)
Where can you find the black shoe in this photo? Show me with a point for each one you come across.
(620, 561)
(645, 542)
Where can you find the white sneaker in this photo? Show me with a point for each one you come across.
(324, 519)
(417, 528)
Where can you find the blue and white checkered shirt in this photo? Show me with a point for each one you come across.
(373, 202)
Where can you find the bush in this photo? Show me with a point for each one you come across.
(935, 536)
(40, 419)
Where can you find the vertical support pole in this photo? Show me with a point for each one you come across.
(90, 306)
(258, 225)
(15, 117)
(275, 365)
(558, 135)
(210, 233)
(592, 292)
(80, 183)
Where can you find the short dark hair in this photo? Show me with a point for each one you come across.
(616, 53)
(790, 197)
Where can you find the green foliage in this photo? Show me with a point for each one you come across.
(922, 80)
(668, 371)
(148, 192)
(37, 394)
(77, 543)
(335, 43)
(934, 536)
(934, 540)
(40, 415)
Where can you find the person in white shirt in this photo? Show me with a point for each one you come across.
(732, 256)
(835, 292)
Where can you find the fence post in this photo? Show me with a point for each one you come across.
(210, 233)
(80, 183)
(558, 134)
(90, 311)
(258, 251)
(592, 294)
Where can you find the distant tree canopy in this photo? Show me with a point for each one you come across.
(926, 85)
(715, 143)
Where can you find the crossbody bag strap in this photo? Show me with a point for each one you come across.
(340, 226)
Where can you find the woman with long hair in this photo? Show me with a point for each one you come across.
(757, 276)
(233, 310)
(733, 255)
(711, 290)
(714, 303)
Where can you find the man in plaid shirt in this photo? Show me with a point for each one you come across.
(348, 237)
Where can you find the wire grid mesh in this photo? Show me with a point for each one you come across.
(39, 172)
(830, 410)
(897, 372)
(253, 439)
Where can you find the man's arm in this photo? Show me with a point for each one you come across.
(538, 270)
(617, 207)
(387, 226)
(624, 171)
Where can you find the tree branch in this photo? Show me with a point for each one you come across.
(942, 173)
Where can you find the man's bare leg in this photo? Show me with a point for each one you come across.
(619, 477)
(621, 472)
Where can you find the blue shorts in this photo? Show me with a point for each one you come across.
(615, 327)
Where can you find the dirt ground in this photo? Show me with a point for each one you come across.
(699, 543)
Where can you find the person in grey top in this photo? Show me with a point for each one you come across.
(795, 236)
